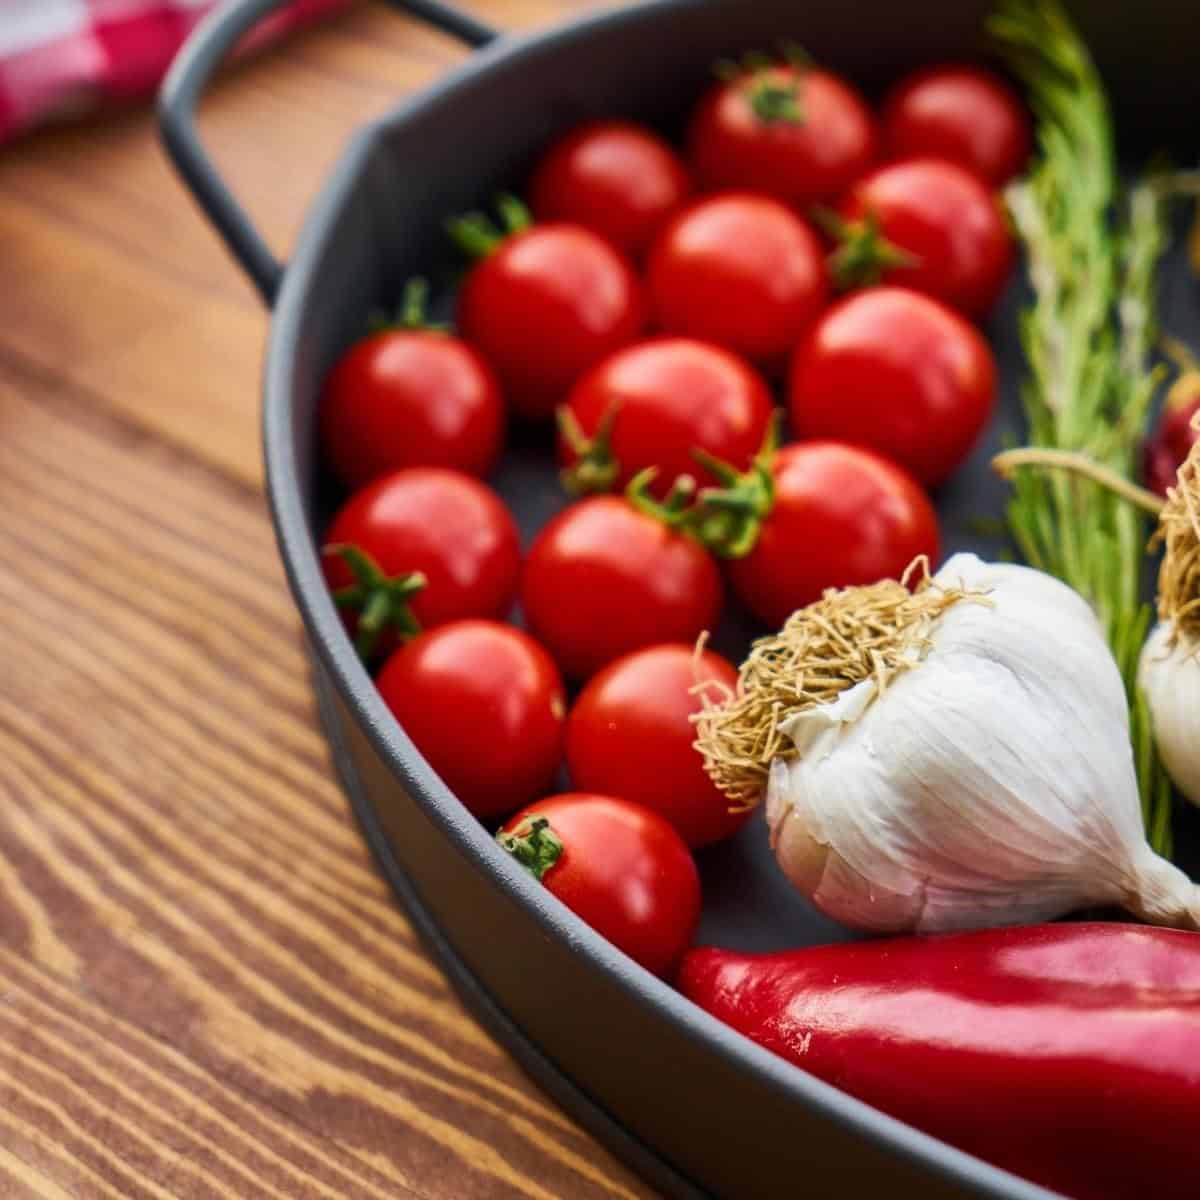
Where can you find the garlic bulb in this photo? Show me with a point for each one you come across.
(951, 758)
(1169, 670)
(1169, 674)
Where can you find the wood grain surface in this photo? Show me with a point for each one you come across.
(206, 989)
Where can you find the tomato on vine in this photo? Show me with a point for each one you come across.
(962, 113)
(740, 270)
(788, 130)
(897, 372)
(418, 548)
(928, 225)
(616, 178)
(472, 684)
(650, 404)
(810, 516)
(543, 303)
(410, 395)
(613, 573)
(1178, 425)
(630, 734)
(618, 866)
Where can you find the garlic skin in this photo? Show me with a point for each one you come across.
(1169, 674)
(992, 783)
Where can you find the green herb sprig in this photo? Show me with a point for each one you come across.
(1092, 252)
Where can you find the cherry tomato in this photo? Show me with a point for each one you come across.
(630, 735)
(797, 133)
(604, 578)
(896, 371)
(543, 305)
(484, 704)
(942, 219)
(841, 516)
(650, 404)
(449, 527)
(740, 270)
(410, 396)
(1178, 425)
(618, 866)
(618, 179)
(961, 113)
(1165, 451)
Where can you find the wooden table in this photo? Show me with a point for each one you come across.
(206, 989)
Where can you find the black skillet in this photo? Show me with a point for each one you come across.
(695, 1108)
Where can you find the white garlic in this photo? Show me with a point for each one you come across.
(1169, 669)
(990, 783)
(1169, 674)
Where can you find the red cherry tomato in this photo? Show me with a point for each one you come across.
(604, 578)
(1165, 451)
(618, 179)
(1178, 425)
(546, 304)
(841, 516)
(961, 113)
(630, 735)
(451, 528)
(739, 270)
(410, 398)
(940, 216)
(896, 371)
(618, 866)
(650, 404)
(484, 704)
(797, 133)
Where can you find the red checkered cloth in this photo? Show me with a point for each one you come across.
(62, 57)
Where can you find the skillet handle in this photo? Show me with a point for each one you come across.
(186, 81)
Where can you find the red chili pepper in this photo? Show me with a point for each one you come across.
(1069, 1054)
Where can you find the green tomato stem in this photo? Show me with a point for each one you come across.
(381, 601)
(477, 235)
(595, 468)
(535, 846)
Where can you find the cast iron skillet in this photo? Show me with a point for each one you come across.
(695, 1107)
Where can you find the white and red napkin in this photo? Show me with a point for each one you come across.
(61, 57)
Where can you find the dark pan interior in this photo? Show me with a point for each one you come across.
(380, 221)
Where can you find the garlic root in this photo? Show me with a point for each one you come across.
(847, 636)
(1179, 532)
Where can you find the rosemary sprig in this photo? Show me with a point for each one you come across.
(1092, 253)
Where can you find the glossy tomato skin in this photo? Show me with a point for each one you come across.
(842, 516)
(449, 526)
(898, 372)
(961, 113)
(616, 178)
(740, 270)
(410, 398)
(630, 734)
(1171, 442)
(667, 396)
(948, 221)
(484, 704)
(804, 162)
(624, 871)
(544, 306)
(603, 579)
